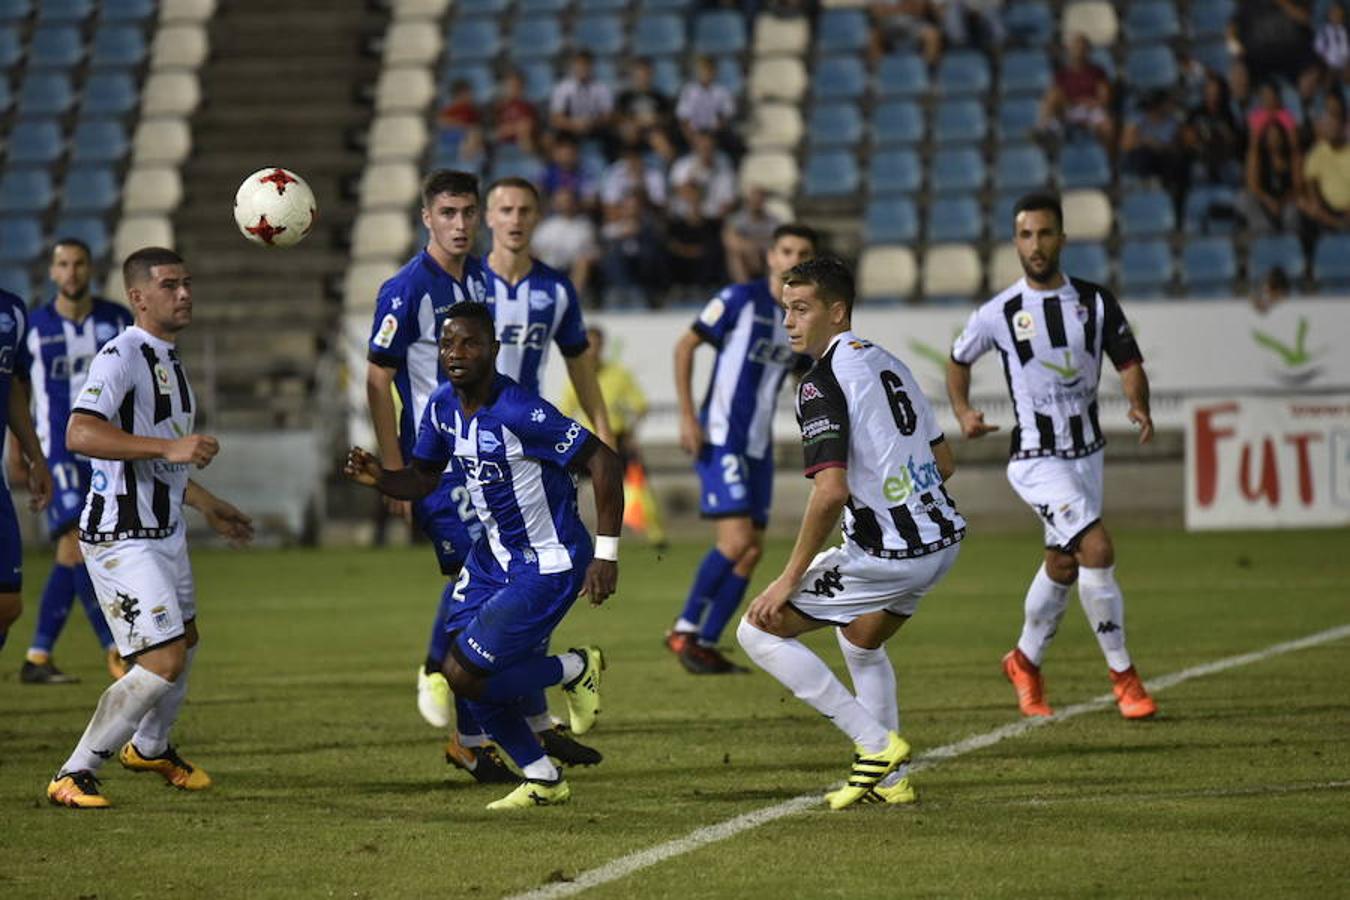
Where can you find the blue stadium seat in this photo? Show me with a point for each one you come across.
(1211, 209)
(542, 7)
(20, 240)
(902, 75)
(841, 31)
(895, 172)
(1331, 262)
(118, 45)
(959, 122)
(719, 32)
(1147, 68)
(35, 142)
(539, 80)
(90, 229)
(99, 141)
(1021, 167)
(1209, 267)
(897, 122)
(131, 11)
(1084, 164)
(1017, 118)
(595, 6)
(537, 38)
(64, 10)
(954, 219)
(1147, 21)
(90, 189)
(26, 191)
(1024, 72)
(666, 76)
(1001, 215)
(1269, 251)
(1087, 261)
(1209, 18)
(606, 69)
(15, 10)
(839, 78)
(55, 47)
(892, 220)
(11, 47)
(667, 5)
(481, 8)
(1213, 54)
(1030, 22)
(600, 34)
(45, 94)
(1146, 213)
(658, 34)
(963, 72)
(1146, 268)
(730, 74)
(479, 75)
(957, 169)
(473, 40)
(112, 93)
(835, 125)
(15, 279)
(831, 174)
(6, 95)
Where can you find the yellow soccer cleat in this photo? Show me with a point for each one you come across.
(898, 794)
(868, 771)
(583, 692)
(78, 790)
(534, 793)
(176, 771)
(434, 700)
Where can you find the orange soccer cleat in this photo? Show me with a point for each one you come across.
(1026, 680)
(1131, 696)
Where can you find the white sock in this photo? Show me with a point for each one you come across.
(152, 734)
(1105, 608)
(1045, 604)
(873, 681)
(541, 722)
(120, 708)
(812, 682)
(573, 664)
(684, 625)
(542, 769)
(472, 740)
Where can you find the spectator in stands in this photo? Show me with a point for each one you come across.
(747, 235)
(515, 119)
(711, 173)
(1274, 183)
(631, 176)
(1274, 38)
(693, 240)
(566, 239)
(634, 260)
(580, 106)
(1333, 45)
(705, 105)
(461, 124)
(1151, 145)
(972, 23)
(565, 172)
(1080, 96)
(1213, 136)
(641, 104)
(1269, 109)
(1326, 172)
(898, 23)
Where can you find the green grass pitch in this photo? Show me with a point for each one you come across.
(328, 784)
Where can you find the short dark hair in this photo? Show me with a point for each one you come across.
(136, 267)
(828, 275)
(800, 230)
(448, 181)
(515, 181)
(472, 309)
(1039, 200)
(73, 242)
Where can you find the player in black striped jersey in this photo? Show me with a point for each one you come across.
(875, 454)
(1052, 332)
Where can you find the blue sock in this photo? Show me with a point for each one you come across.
(466, 723)
(524, 678)
(84, 588)
(534, 703)
(711, 572)
(724, 604)
(506, 726)
(57, 597)
(439, 645)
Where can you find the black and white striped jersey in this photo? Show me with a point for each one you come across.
(861, 409)
(1052, 343)
(137, 383)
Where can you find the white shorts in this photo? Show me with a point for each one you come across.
(1065, 493)
(845, 582)
(145, 588)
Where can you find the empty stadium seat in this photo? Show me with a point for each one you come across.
(779, 78)
(959, 122)
(11, 47)
(963, 72)
(1213, 54)
(404, 89)
(397, 137)
(1024, 72)
(719, 32)
(658, 34)
(892, 220)
(381, 234)
(1017, 118)
(99, 141)
(1211, 209)
(540, 78)
(174, 12)
(25, 191)
(831, 174)
(112, 93)
(679, 6)
(6, 96)
(774, 171)
(481, 8)
(362, 283)
(1086, 261)
(841, 31)
(166, 141)
(130, 11)
(902, 75)
(55, 47)
(1209, 18)
(1146, 213)
(886, 273)
(957, 170)
(15, 10)
(730, 74)
(1004, 267)
(1272, 250)
(90, 229)
(777, 35)
(389, 186)
(90, 189)
(35, 142)
(1084, 164)
(15, 279)
(473, 40)
(839, 78)
(1029, 22)
(1151, 20)
(1331, 262)
(836, 125)
(1151, 67)
(171, 93)
(600, 34)
(1001, 216)
(45, 94)
(951, 272)
(538, 38)
(543, 7)
(775, 125)
(20, 240)
(897, 122)
(185, 46)
(1087, 214)
(895, 172)
(134, 232)
(1209, 267)
(954, 219)
(1146, 268)
(118, 45)
(1021, 167)
(1096, 19)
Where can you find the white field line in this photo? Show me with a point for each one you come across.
(711, 834)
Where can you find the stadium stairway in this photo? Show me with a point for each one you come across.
(282, 87)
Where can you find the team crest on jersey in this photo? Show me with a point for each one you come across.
(1024, 325)
(811, 392)
(488, 443)
(540, 300)
(160, 616)
(104, 332)
(1081, 311)
(162, 380)
(388, 328)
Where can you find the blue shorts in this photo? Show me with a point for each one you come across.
(503, 621)
(446, 516)
(70, 487)
(11, 549)
(733, 484)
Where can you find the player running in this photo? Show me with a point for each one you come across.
(134, 419)
(63, 337)
(518, 455)
(1051, 332)
(874, 453)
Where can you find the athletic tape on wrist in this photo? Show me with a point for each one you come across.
(607, 547)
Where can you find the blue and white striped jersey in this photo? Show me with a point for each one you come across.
(514, 452)
(540, 309)
(13, 324)
(745, 324)
(408, 314)
(57, 354)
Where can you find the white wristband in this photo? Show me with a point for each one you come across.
(606, 547)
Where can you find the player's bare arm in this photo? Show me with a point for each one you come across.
(94, 436)
(224, 517)
(829, 493)
(380, 399)
(946, 461)
(606, 473)
(691, 433)
(581, 370)
(1135, 382)
(21, 424)
(958, 391)
(408, 483)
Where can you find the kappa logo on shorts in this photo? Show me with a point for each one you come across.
(827, 585)
(1046, 514)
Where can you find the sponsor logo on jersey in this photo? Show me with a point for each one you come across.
(484, 472)
(100, 481)
(913, 477)
(712, 313)
(816, 430)
(92, 391)
(570, 438)
(1024, 325)
(481, 650)
(162, 380)
(533, 336)
(388, 328)
(488, 442)
(540, 300)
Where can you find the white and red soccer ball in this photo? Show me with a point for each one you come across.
(274, 207)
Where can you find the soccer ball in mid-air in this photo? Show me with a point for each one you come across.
(274, 207)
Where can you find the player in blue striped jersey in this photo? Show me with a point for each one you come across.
(518, 454)
(731, 439)
(63, 337)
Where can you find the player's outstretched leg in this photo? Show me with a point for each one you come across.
(1043, 608)
(58, 594)
(874, 685)
(544, 784)
(149, 749)
(1104, 606)
(709, 577)
(701, 656)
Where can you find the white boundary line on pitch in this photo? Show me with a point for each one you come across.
(701, 837)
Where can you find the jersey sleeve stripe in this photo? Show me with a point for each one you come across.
(89, 412)
(828, 464)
